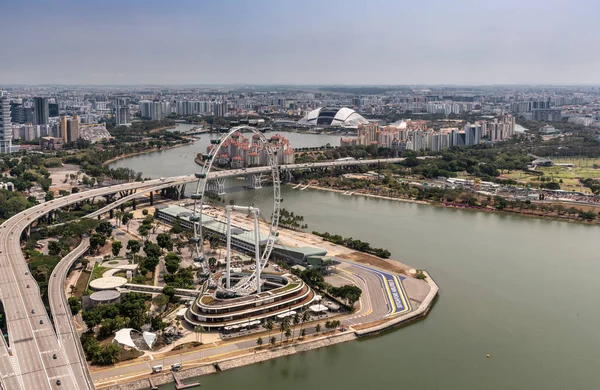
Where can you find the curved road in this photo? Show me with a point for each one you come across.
(27, 361)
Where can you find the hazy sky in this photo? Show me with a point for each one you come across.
(299, 42)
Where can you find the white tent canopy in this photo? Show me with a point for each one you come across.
(318, 308)
(123, 337)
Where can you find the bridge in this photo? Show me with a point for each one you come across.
(35, 355)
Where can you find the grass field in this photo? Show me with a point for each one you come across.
(577, 162)
(569, 176)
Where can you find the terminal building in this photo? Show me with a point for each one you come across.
(283, 295)
(241, 239)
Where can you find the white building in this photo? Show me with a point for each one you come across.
(5, 126)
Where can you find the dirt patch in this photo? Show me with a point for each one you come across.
(388, 265)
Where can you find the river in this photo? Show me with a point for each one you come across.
(523, 290)
(181, 159)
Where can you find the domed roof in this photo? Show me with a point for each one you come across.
(343, 117)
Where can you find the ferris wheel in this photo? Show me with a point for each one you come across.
(245, 285)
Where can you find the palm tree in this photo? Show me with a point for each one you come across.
(305, 318)
(328, 325)
(273, 340)
(282, 328)
(198, 329)
(259, 342)
(118, 217)
(269, 326)
(318, 328)
(288, 333)
(72, 287)
(296, 321)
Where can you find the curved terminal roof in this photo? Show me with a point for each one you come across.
(342, 117)
(108, 283)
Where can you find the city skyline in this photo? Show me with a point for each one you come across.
(270, 43)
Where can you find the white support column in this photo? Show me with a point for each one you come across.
(228, 233)
(257, 250)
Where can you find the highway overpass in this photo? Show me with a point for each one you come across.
(38, 356)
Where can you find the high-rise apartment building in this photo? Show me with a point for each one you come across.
(121, 112)
(73, 129)
(41, 111)
(5, 126)
(220, 108)
(145, 109)
(63, 128)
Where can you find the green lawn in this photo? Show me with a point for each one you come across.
(97, 272)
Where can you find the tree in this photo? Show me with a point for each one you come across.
(109, 354)
(152, 250)
(160, 301)
(170, 292)
(259, 342)
(172, 261)
(91, 317)
(144, 231)
(105, 228)
(133, 246)
(49, 196)
(54, 248)
(176, 227)
(272, 340)
(296, 321)
(305, 318)
(318, 328)
(74, 304)
(145, 212)
(283, 326)
(198, 329)
(126, 218)
(97, 241)
(269, 326)
(288, 333)
(212, 261)
(118, 217)
(164, 241)
(116, 248)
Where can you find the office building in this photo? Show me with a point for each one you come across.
(41, 111)
(21, 114)
(5, 125)
(53, 109)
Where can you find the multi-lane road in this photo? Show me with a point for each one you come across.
(35, 356)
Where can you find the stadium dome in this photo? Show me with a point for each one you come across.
(343, 117)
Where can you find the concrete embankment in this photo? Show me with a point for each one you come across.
(162, 378)
(261, 356)
(235, 362)
(422, 310)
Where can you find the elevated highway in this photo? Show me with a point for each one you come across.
(27, 359)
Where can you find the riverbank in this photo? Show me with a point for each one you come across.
(525, 213)
(112, 160)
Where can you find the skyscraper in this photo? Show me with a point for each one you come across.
(41, 111)
(5, 127)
